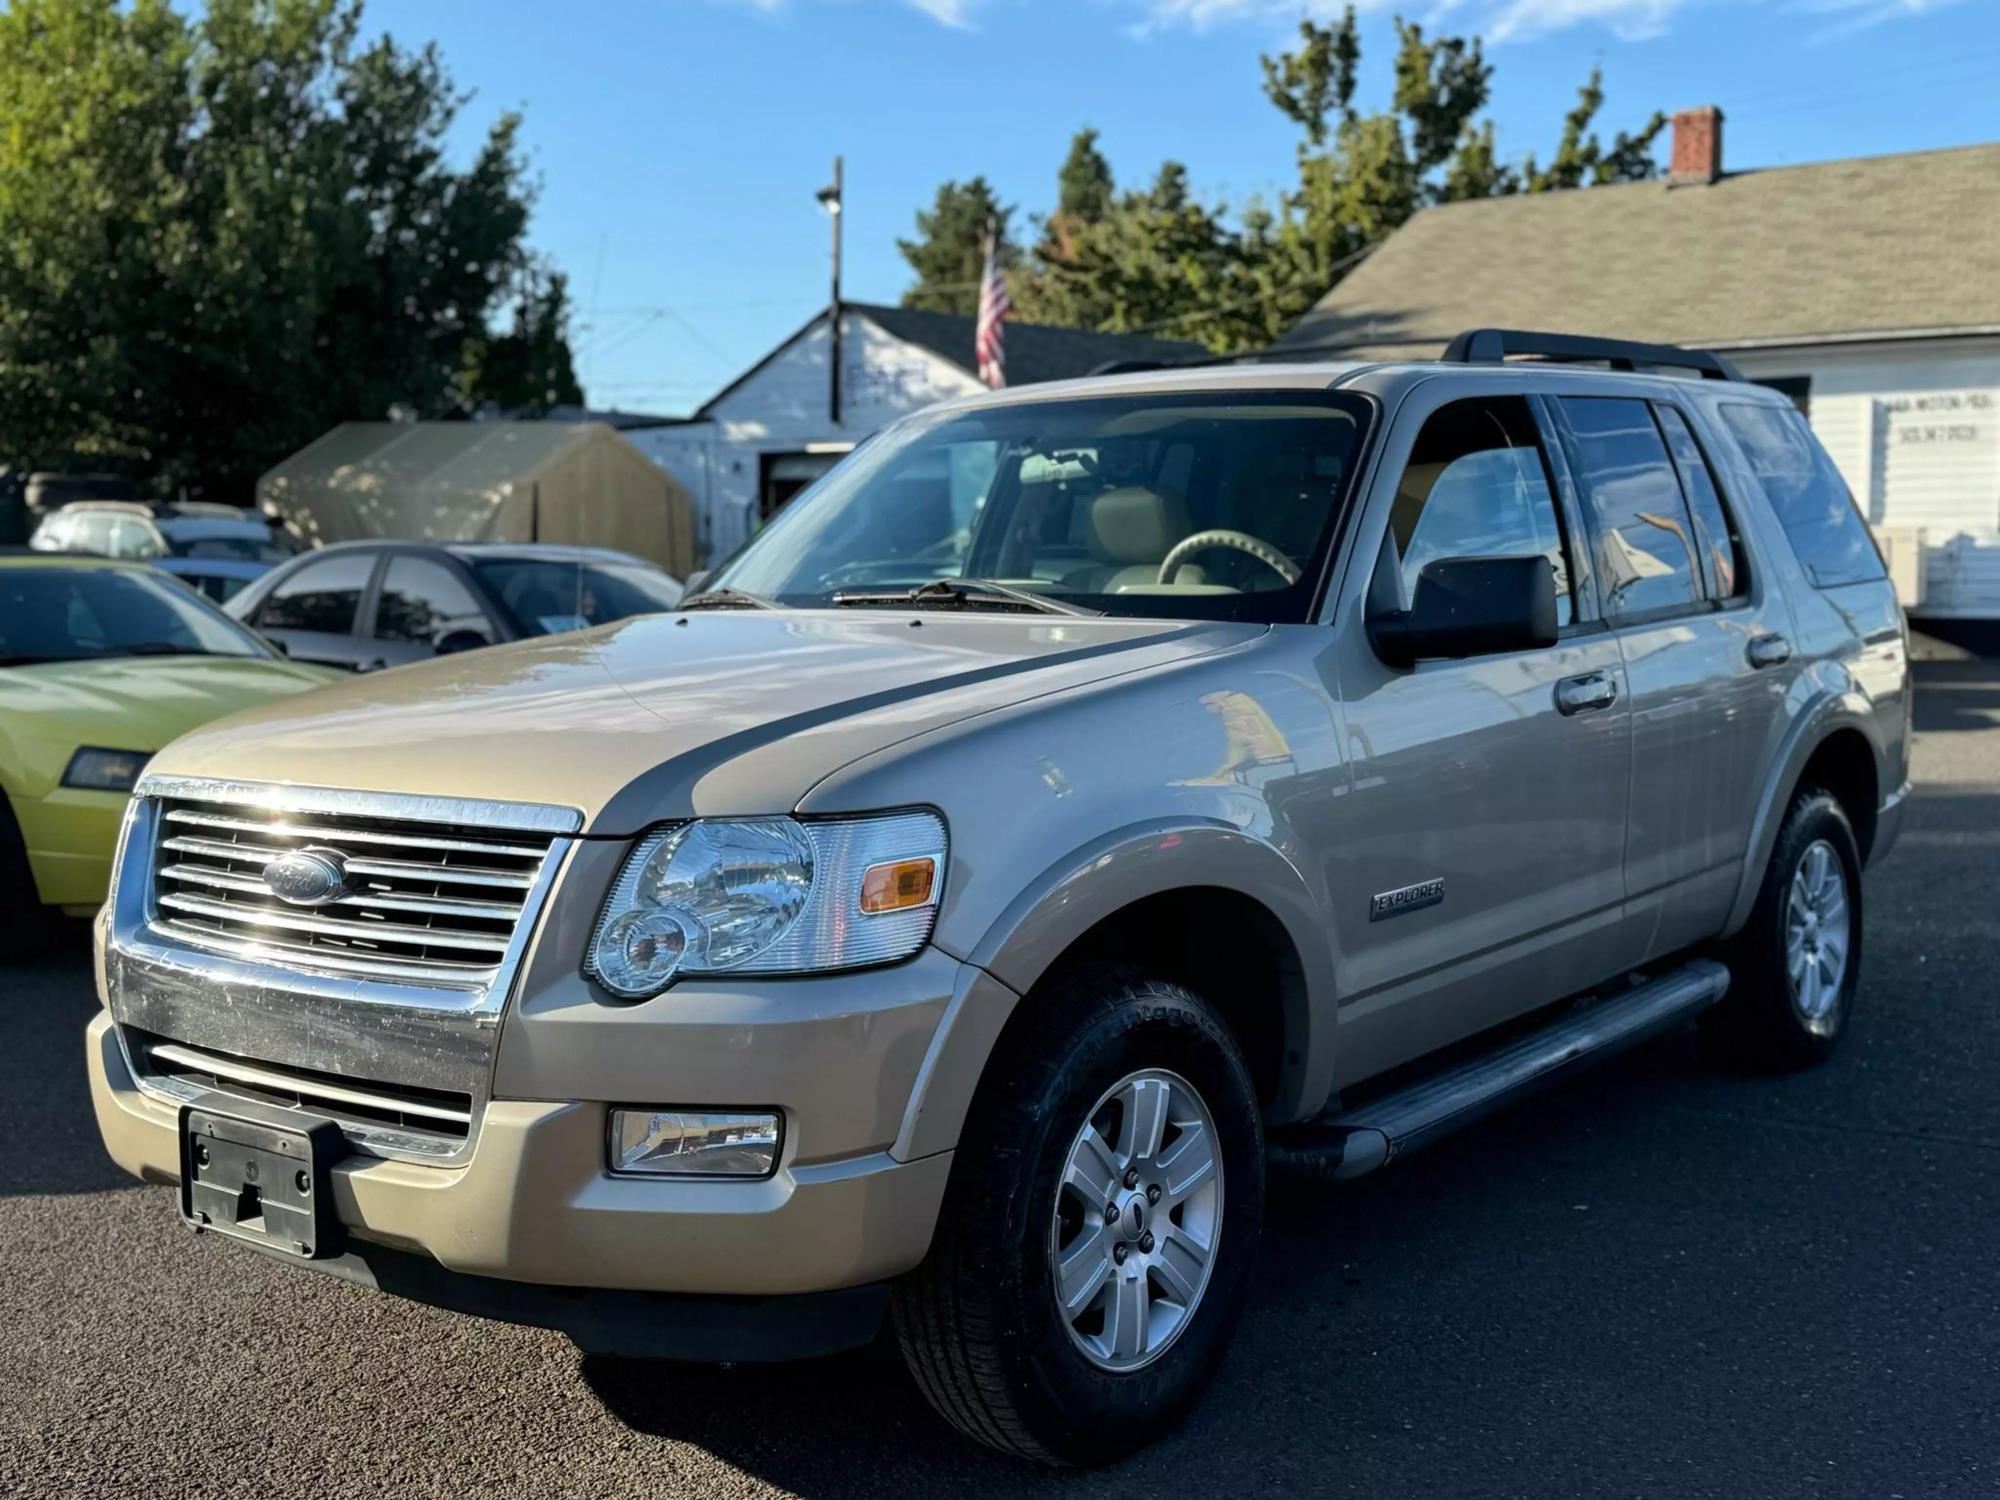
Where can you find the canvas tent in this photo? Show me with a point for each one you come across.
(570, 482)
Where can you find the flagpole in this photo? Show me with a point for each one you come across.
(830, 200)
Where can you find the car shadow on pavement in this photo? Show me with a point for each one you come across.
(1335, 1262)
(45, 1113)
(1957, 696)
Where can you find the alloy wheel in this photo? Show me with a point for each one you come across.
(1817, 935)
(1138, 1219)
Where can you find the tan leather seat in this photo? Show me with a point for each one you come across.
(1130, 530)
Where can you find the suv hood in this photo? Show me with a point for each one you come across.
(716, 713)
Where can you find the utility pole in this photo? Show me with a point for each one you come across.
(830, 200)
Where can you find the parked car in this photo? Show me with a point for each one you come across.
(101, 663)
(1087, 800)
(363, 605)
(194, 531)
(218, 579)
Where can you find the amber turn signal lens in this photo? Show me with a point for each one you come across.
(898, 886)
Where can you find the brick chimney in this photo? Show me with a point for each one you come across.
(1697, 146)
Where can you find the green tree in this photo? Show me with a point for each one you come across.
(949, 253)
(528, 369)
(218, 237)
(1150, 256)
(1581, 160)
(1159, 261)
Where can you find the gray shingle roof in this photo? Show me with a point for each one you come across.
(1035, 352)
(1880, 245)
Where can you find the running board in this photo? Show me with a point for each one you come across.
(1356, 1141)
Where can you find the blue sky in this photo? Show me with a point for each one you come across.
(679, 142)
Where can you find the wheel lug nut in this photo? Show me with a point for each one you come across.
(1118, 1253)
(1153, 1193)
(1146, 1243)
(1111, 1213)
(1131, 1177)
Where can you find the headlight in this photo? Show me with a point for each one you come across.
(105, 770)
(768, 896)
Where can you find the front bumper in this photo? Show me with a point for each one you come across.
(70, 834)
(534, 1204)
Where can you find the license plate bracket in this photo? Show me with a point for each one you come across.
(261, 1174)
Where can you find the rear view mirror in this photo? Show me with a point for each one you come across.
(1471, 606)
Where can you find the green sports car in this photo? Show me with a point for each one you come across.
(102, 663)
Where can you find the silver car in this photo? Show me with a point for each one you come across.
(1086, 804)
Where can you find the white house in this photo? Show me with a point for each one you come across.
(771, 432)
(1869, 290)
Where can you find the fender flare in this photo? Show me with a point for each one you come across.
(1826, 713)
(1073, 895)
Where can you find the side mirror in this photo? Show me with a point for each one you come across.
(1471, 606)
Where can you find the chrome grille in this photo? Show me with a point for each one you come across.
(424, 903)
(391, 1119)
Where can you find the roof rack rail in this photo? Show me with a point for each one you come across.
(1480, 346)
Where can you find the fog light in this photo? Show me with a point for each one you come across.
(690, 1143)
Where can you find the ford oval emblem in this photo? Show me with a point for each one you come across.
(307, 877)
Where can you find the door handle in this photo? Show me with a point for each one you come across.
(1769, 651)
(1586, 694)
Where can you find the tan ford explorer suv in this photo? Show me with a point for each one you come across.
(1087, 801)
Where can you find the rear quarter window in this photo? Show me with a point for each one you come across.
(1811, 500)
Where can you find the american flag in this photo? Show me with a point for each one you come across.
(988, 343)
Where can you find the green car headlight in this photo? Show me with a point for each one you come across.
(95, 770)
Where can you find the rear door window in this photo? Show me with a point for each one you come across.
(1715, 529)
(1643, 533)
(1812, 501)
(425, 602)
(323, 595)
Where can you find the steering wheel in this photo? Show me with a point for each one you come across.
(1240, 541)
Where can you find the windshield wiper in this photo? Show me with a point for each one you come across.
(728, 598)
(164, 648)
(963, 593)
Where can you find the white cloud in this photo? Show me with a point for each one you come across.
(953, 13)
(1515, 20)
(1631, 19)
(956, 14)
(1849, 16)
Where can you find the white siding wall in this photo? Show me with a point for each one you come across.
(1915, 429)
(783, 409)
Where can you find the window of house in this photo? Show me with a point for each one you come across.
(424, 602)
(1715, 530)
(322, 596)
(1644, 535)
(1812, 501)
(1477, 485)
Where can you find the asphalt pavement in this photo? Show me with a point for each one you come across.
(1661, 1280)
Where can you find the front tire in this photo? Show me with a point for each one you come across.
(1105, 1203)
(1795, 966)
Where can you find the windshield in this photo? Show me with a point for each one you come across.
(81, 614)
(544, 597)
(224, 542)
(1194, 506)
